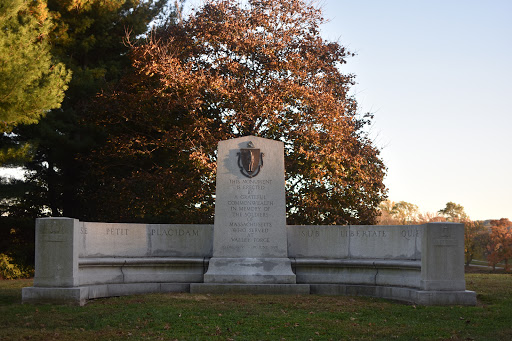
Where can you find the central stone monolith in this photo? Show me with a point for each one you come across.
(250, 239)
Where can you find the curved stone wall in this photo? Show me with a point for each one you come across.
(77, 261)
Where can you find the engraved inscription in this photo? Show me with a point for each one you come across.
(117, 231)
(53, 232)
(364, 234)
(53, 229)
(445, 239)
(248, 224)
(55, 238)
(174, 232)
(445, 242)
(409, 234)
(250, 213)
(310, 233)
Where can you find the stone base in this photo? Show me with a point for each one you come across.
(412, 295)
(76, 295)
(442, 285)
(80, 295)
(250, 271)
(256, 289)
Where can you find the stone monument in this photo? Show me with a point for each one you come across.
(249, 249)
(250, 239)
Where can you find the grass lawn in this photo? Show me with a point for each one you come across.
(237, 317)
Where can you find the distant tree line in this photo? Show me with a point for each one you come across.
(490, 240)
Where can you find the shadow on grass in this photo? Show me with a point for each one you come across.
(10, 290)
(250, 317)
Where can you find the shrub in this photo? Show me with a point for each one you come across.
(10, 270)
(17, 240)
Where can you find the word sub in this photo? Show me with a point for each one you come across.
(310, 234)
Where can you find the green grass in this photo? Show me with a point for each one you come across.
(237, 317)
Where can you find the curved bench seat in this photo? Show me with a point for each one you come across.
(141, 261)
(109, 270)
(386, 272)
(371, 263)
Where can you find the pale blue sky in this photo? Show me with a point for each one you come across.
(438, 76)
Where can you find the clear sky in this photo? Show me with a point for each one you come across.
(438, 76)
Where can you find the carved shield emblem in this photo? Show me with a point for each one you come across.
(250, 161)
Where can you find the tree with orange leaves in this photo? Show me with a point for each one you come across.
(476, 238)
(500, 244)
(231, 70)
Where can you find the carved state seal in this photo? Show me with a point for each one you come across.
(250, 160)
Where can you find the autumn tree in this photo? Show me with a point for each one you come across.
(475, 239)
(399, 213)
(386, 213)
(230, 70)
(476, 236)
(405, 212)
(500, 244)
(454, 212)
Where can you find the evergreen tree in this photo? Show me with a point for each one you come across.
(31, 82)
(88, 37)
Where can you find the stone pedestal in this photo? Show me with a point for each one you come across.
(56, 262)
(250, 238)
(442, 257)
